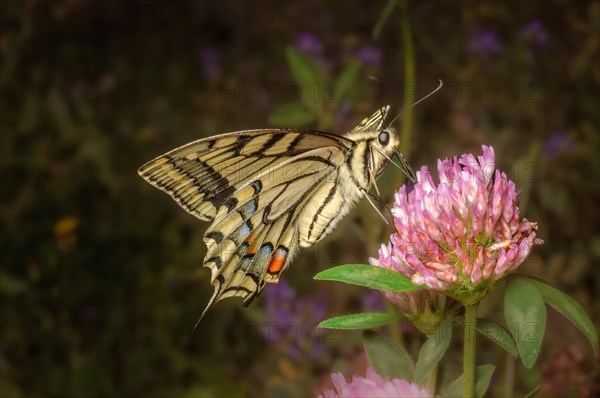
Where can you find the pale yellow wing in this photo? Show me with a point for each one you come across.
(201, 175)
(253, 186)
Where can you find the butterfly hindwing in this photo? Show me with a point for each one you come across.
(255, 232)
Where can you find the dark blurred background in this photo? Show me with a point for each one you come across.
(101, 277)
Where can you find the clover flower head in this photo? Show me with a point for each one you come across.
(461, 234)
(373, 385)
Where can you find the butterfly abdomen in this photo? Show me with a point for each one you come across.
(332, 201)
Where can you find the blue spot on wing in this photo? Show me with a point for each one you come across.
(257, 185)
(252, 206)
(245, 231)
(248, 209)
(283, 250)
(266, 249)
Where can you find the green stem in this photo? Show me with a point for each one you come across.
(409, 84)
(469, 351)
(509, 376)
(430, 383)
(395, 327)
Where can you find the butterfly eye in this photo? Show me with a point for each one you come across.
(384, 138)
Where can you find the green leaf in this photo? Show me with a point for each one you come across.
(291, 115)
(387, 11)
(570, 308)
(308, 77)
(483, 376)
(535, 392)
(347, 80)
(496, 333)
(525, 314)
(359, 321)
(388, 358)
(433, 350)
(369, 276)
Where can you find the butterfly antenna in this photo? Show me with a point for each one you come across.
(440, 85)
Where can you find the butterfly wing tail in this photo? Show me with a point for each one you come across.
(259, 260)
(210, 304)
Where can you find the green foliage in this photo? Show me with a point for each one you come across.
(387, 357)
(387, 12)
(359, 321)
(347, 80)
(535, 392)
(483, 377)
(294, 114)
(308, 77)
(569, 308)
(498, 334)
(525, 315)
(320, 95)
(368, 276)
(433, 350)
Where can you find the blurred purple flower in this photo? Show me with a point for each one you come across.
(557, 143)
(279, 306)
(535, 32)
(341, 115)
(370, 55)
(279, 293)
(210, 61)
(318, 350)
(461, 235)
(373, 302)
(484, 43)
(307, 43)
(373, 385)
(290, 320)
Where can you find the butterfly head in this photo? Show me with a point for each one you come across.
(382, 140)
(383, 144)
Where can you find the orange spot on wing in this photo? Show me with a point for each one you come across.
(277, 262)
(248, 240)
(251, 250)
(250, 237)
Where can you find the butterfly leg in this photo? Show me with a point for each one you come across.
(368, 195)
(379, 199)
